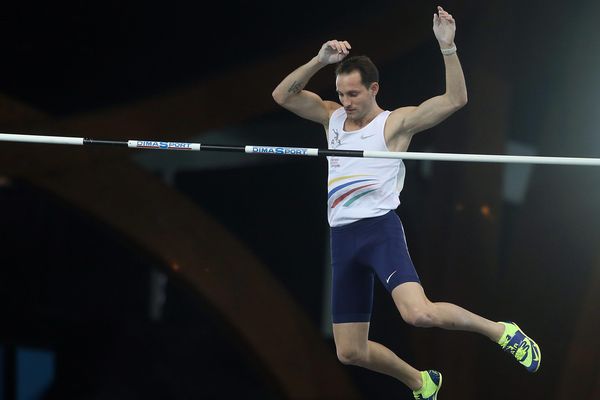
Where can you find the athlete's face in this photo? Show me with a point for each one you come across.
(357, 99)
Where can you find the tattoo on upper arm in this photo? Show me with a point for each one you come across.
(296, 87)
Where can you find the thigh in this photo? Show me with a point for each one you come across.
(352, 293)
(354, 335)
(387, 253)
(352, 282)
(410, 296)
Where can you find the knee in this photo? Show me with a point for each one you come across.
(351, 356)
(421, 317)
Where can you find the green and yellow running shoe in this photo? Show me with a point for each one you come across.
(432, 382)
(521, 346)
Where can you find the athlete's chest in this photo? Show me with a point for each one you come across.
(358, 140)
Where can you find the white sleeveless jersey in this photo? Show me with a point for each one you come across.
(361, 187)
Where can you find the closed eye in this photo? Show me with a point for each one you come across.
(350, 94)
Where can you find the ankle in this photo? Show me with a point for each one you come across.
(497, 332)
(418, 382)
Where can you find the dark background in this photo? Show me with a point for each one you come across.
(79, 289)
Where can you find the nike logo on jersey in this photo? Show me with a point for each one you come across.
(366, 135)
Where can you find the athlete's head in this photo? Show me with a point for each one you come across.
(357, 84)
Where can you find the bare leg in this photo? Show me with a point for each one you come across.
(417, 310)
(354, 348)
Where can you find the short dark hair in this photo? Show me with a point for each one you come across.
(363, 64)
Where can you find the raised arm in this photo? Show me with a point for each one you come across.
(291, 95)
(406, 121)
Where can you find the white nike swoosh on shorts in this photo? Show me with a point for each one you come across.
(390, 277)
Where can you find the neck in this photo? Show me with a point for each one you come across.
(367, 118)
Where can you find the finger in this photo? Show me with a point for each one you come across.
(332, 45)
(347, 45)
(446, 16)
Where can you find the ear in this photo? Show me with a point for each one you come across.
(374, 88)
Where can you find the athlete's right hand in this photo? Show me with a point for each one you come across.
(333, 51)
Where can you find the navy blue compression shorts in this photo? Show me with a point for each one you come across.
(358, 251)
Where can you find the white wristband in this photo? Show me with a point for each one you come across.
(449, 51)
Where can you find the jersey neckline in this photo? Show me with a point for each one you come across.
(364, 127)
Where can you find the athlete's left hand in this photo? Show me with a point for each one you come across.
(444, 28)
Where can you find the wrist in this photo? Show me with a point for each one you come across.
(448, 49)
(316, 62)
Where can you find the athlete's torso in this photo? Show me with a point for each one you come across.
(361, 187)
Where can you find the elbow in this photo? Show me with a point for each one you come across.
(456, 99)
(278, 97)
(460, 102)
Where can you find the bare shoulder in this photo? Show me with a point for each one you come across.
(397, 134)
(331, 106)
(396, 122)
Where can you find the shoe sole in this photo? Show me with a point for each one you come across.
(439, 387)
